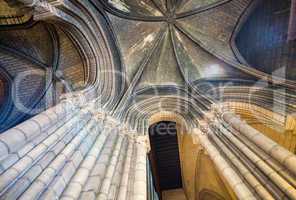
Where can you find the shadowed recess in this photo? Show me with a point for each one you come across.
(262, 40)
(165, 155)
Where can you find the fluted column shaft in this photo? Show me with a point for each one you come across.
(236, 183)
(122, 194)
(250, 178)
(77, 152)
(140, 182)
(264, 164)
(278, 152)
(12, 140)
(286, 187)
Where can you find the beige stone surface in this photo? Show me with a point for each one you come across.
(177, 194)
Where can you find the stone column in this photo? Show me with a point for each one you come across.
(236, 183)
(279, 153)
(15, 138)
(140, 182)
(290, 128)
(257, 161)
(252, 154)
(248, 176)
(122, 193)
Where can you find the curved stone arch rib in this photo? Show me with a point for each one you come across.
(83, 57)
(139, 113)
(202, 9)
(138, 74)
(34, 103)
(240, 22)
(24, 56)
(5, 109)
(169, 116)
(262, 97)
(242, 67)
(122, 14)
(75, 15)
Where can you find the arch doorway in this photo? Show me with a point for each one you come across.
(164, 156)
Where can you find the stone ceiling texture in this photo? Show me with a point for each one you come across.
(147, 54)
(165, 49)
(178, 42)
(168, 46)
(10, 15)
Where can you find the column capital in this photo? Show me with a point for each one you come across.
(218, 108)
(203, 125)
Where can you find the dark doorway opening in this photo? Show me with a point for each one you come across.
(164, 156)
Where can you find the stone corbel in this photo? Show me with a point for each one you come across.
(210, 117)
(45, 11)
(203, 125)
(217, 108)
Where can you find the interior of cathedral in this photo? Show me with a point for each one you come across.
(148, 99)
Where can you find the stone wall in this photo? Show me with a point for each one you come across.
(262, 40)
(27, 91)
(70, 61)
(31, 57)
(2, 91)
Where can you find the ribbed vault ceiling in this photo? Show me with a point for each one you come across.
(171, 50)
(176, 42)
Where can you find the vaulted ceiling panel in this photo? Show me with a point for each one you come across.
(30, 84)
(70, 62)
(191, 5)
(34, 42)
(161, 4)
(163, 67)
(213, 28)
(135, 39)
(197, 63)
(262, 40)
(137, 7)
